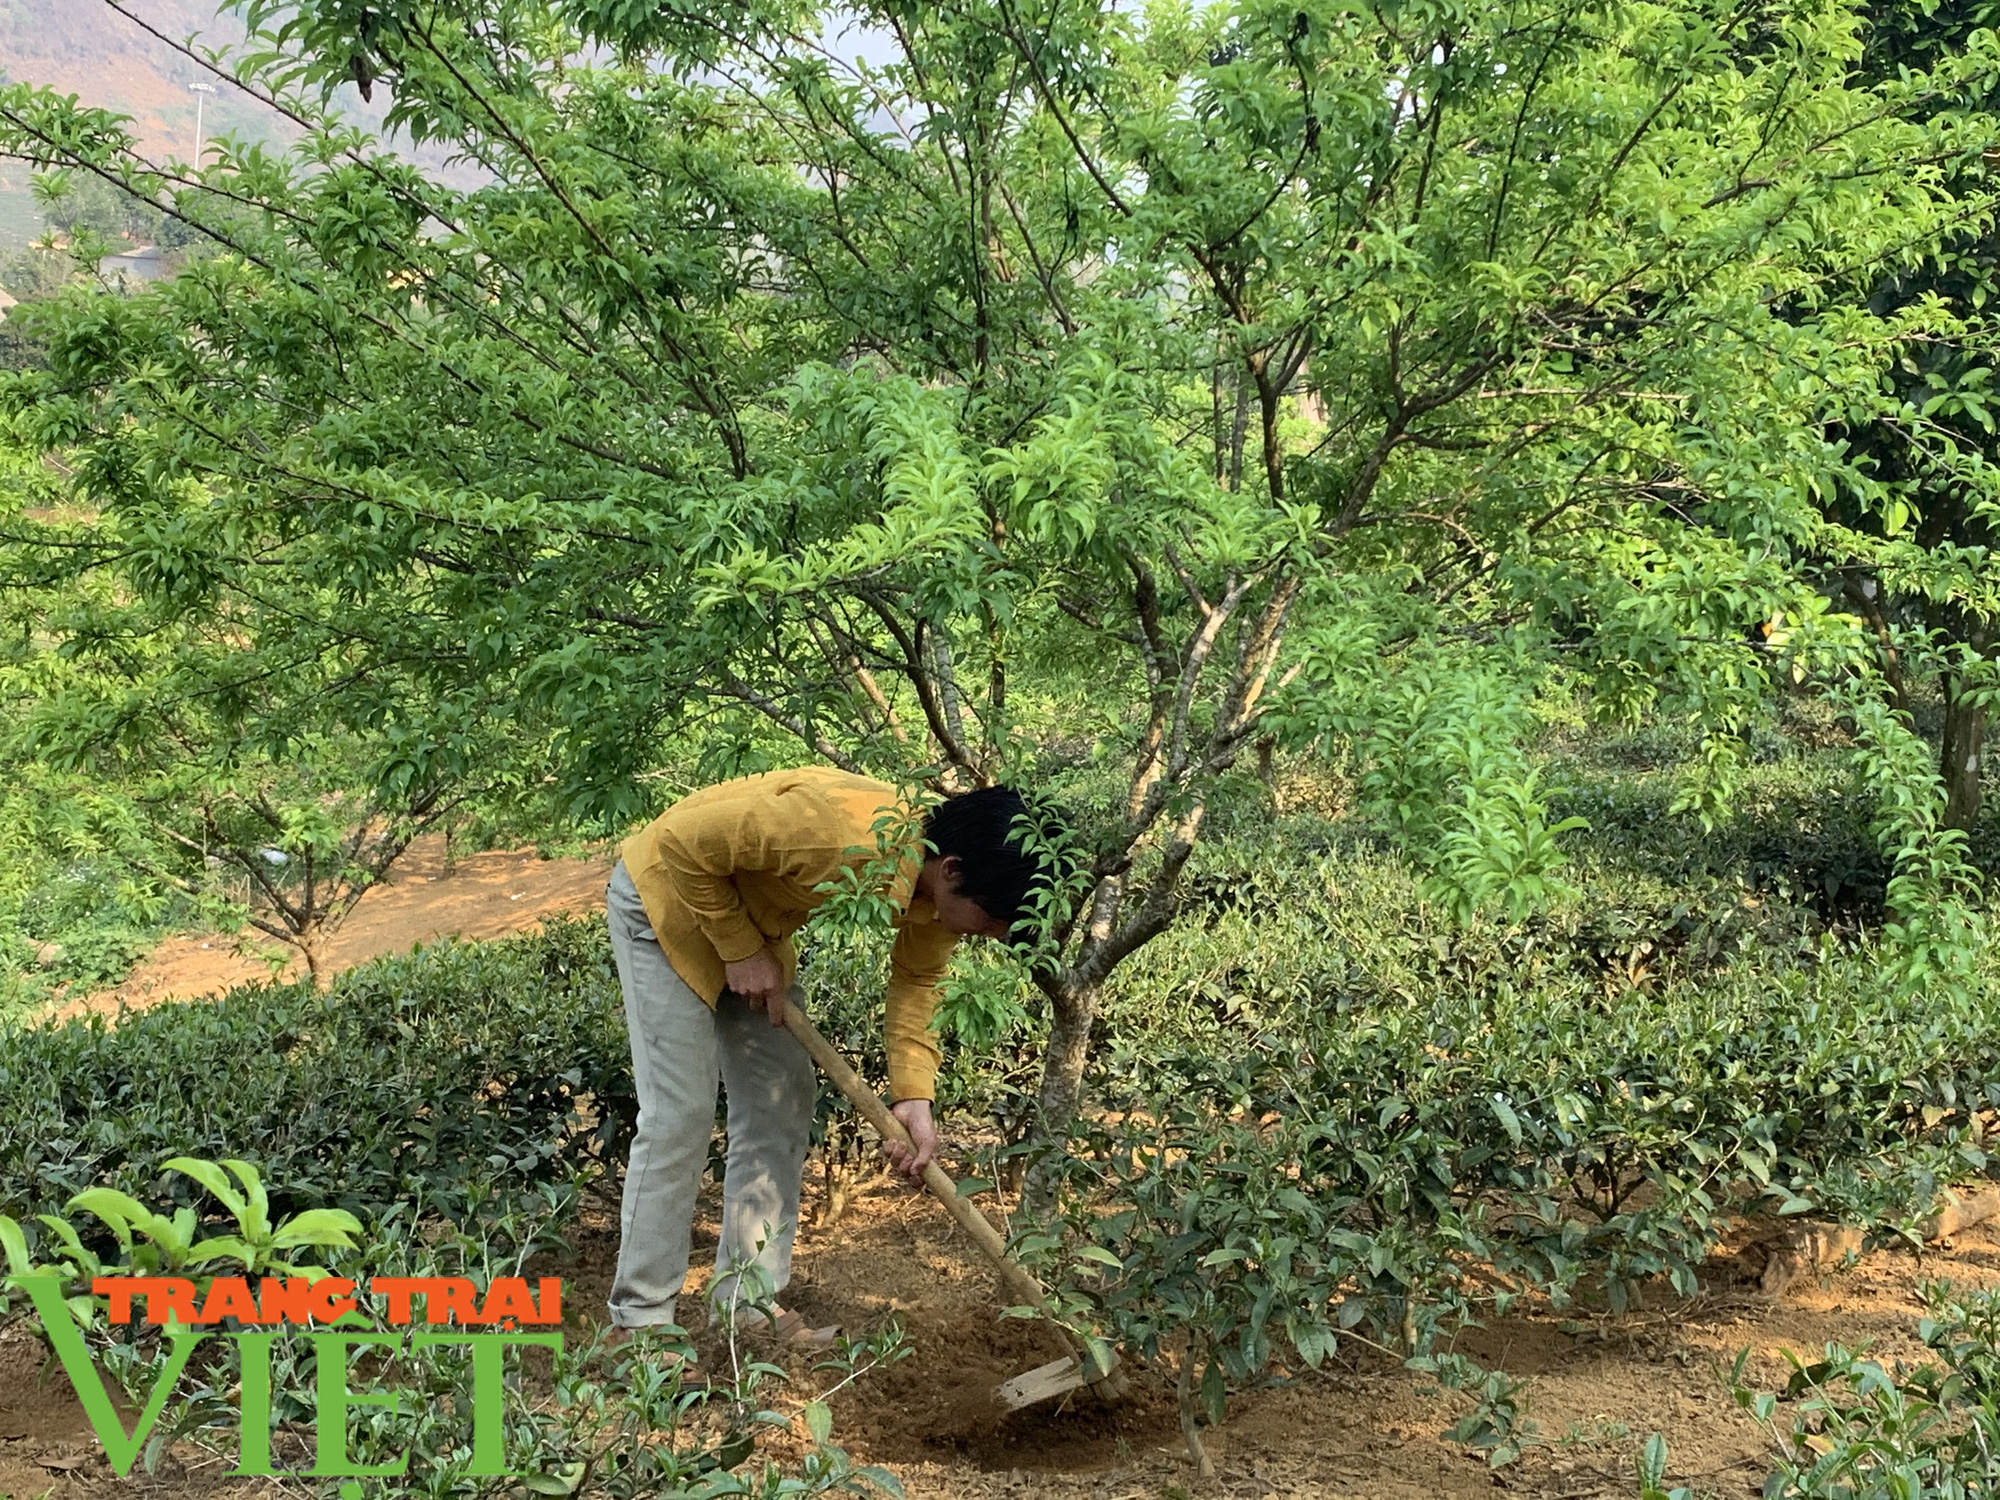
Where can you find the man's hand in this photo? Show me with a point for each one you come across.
(761, 983)
(916, 1117)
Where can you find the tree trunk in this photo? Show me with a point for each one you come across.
(1960, 758)
(1267, 749)
(1204, 1466)
(1062, 1076)
(312, 943)
(1069, 1049)
(1239, 431)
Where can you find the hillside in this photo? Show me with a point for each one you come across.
(87, 48)
(84, 47)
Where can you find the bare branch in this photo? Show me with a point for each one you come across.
(825, 748)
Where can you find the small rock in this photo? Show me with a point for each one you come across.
(47, 954)
(1961, 1213)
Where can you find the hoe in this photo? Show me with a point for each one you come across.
(1084, 1366)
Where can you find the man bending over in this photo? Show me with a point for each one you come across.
(702, 906)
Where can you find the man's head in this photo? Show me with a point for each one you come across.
(983, 878)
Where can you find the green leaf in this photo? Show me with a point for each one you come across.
(211, 1176)
(62, 1230)
(1653, 1463)
(882, 1479)
(15, 1244)
(256, 1221)
(333, 1227)
(1100, 1359)
(117, 1211)
(1214, 1393)
(561, 1480)
(1315, 1345)
(221, 1247)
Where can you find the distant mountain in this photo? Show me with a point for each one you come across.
(86, 48)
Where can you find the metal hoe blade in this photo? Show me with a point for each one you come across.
(1058, 1378)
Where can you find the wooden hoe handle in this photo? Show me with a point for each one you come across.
(1020, 1286)
(1083, 1368)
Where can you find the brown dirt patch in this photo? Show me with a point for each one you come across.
(490, 895)
(44, 1439)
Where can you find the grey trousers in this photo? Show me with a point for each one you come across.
(678, 1046)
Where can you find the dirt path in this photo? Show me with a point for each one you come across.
(479, 896)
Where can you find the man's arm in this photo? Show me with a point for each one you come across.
(917, 962)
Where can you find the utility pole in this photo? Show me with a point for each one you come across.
(201, 93)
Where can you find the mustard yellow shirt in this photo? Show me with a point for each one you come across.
(732, 867)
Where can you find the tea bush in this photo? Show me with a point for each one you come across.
(1399, 1166)
(1857, 1431)
(409, 1077)
(1290, 918)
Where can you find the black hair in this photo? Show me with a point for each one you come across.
(984, 829)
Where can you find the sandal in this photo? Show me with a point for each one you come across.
(787, 1328)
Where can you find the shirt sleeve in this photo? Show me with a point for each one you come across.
(704, 848)
(916, 963)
